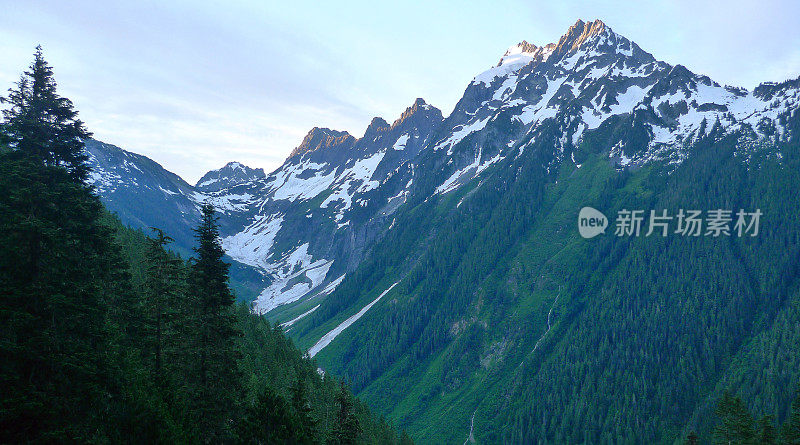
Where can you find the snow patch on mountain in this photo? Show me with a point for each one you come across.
(401, 143)
(233, 202)
(253, 245)
(515, 58)
(356, 179)
(330, 336)
(461, 133)
(304, 180)
(103, 181)
(465, 174)
(541, 110)
(294, 275)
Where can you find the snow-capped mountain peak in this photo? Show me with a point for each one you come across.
(233, 173)
(524, 53)
(305, 249)
(591, 75)
(522, 47)
(582, 33)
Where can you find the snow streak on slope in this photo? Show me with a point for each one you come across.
(471, 436)
(298, 318)
(549, 325)
(328, 338)
(461, 133)
(331, 286)
(468, 172)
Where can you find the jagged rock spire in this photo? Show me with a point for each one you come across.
(577, 35)
(321, 138)
(377, 126)
(416, 107)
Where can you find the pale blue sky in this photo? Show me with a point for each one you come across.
(194, 84)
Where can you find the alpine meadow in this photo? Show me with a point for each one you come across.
(593, 246)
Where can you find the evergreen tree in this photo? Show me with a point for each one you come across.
(162, 298)
(735, 421)
(42, 125)
(790, 432)
(97, 347)
(405, 439)
(56, 271)
(766, 431)
(269, 420)
(346, 428)
(307, 424)
(214, 377)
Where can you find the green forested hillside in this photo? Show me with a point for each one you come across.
(270, 364)
(107, 337)
(505, 315)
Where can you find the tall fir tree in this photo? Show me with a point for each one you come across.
(42, 125)
(736, 424)
(270, 420)
(790, 431)
(57, 266)
(766, 431)
(346, 428)
(405, 439)
(307, 424)
(163, 297)
(95, 347)
(215, 377)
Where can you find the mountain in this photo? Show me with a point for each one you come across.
(318, 213)
(232, 174)
(434, 261)
(292, 234)
(143, 193)
(591, 77)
